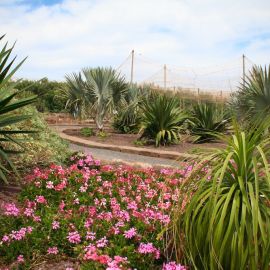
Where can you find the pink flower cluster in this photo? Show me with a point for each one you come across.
(90, 210)
(10, 209)
(16, 235)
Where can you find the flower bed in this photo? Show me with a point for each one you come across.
(105, 217)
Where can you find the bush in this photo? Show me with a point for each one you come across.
(124, 123)
(226, 224)
(207, 121)
(162, 120)
(51, 99)
(100, 215)
(43, 147)
(87, 132)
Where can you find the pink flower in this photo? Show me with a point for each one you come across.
(5, 238)
(91, 236)
(41, 199)
(49, 185)
(11, 210)
(28, 212)
(62, 206)
(173, 266)
(20, 259)
(55, 225)
(74, 237)
(52, 250)
(37, 218)
(130, 233)
(148, 249)
(102, 242)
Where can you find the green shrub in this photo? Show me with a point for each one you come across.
(162, 120)
(87, 131)
(102, 134)
(139, 142)
(44, 146)
(125, 123)
(51, 100)
(207, 121)
(128, 117)
(226, 224)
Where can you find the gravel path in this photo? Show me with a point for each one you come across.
(115, 156)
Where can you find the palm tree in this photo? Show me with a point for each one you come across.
(78, 99)
(107, 88)
(253, 97)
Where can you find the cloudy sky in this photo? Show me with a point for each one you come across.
(63, 36)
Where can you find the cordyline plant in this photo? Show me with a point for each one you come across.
(10, 101)
(226, 224)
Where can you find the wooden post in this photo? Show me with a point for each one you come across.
(165, 77)
(244, 70)
(132, 66)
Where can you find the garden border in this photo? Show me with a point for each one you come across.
(128, 149)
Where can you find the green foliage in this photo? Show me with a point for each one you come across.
(10, 102)
(253, 97)
(162, 120)
(94, 91)
(128, 117)
(78, 98)
(227, 221)
(207, 121)
(87, 131)
(43, 147)
(49, 91)
(102, 134)
(139, 142)
(107, 87)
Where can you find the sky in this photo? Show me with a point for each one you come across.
(63, 36)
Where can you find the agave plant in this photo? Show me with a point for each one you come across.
(227, 221)
(207, 121)
(253, 97)
(10, 101)
(162, 119)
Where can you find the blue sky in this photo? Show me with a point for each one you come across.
(60, 37)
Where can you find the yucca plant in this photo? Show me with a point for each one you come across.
(162, 119)
(207, 121)
(10, 101)
(253, 96)
(226, 223)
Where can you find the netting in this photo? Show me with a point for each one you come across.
(225, 77)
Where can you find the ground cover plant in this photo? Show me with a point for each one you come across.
(105, 217)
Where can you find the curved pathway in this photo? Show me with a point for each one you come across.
(110, 155)
(134, 159)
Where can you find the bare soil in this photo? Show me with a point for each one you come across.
(185, 146)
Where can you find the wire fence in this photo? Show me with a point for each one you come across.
(217, 80)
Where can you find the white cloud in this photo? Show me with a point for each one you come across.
(65, 37)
